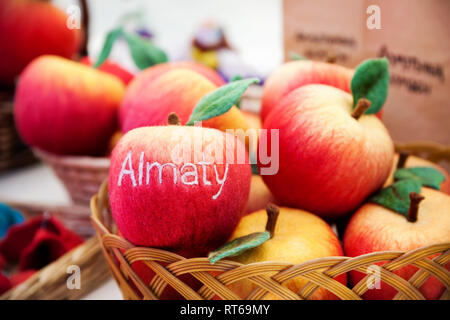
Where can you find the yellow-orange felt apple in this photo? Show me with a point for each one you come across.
(298, 236)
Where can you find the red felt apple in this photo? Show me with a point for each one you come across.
(149, 99)
(28, 29)
(112, 68)
(66, 107)
(165, 193)
(376, 228)
(331, 155)
(294, 74)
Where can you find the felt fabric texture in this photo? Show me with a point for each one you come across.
(5, 283)
(37, 242)
(65, 107)
(149, 99)
(183, 218)
(329, 162)
(8, 217)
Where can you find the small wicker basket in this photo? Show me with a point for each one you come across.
(13, 152)
(267, 276)
(81, 175)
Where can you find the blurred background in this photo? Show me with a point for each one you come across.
(254, 28)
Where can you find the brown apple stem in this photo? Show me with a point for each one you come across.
(173, 119)
(361, 107)
(272, 216)
(331, 59)
(402, 157)
(85, 22)
(414, 206)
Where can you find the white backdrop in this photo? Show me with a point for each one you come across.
(254, 27)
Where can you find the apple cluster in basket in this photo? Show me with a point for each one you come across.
(189, 189)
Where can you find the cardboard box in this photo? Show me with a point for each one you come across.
(414, 35)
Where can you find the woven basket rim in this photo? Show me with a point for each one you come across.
(128, 253)
(77, 161)
(97, 220)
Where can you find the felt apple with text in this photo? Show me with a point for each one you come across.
(28, 29)
(294, 74)
(296, 236)
(174, 187)
(331, 155)
(66, 107)
(424, 220)
(149, 100)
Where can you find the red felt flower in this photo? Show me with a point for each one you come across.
(5, 284)
(20, 277)
(2, 262)
(38, 242)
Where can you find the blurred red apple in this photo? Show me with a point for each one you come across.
(28, 29)
(157, 70)
(65, 107)
(149, 99)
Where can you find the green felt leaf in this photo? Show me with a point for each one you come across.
(371, 81)
(220, 100)
(295, 56)
(236, 77)
(427, 176)
(239, 245)
(144, 53)
(111, 37)
(396, 196)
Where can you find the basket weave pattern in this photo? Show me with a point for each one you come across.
(81, 175)
(267, 276)
(13, 152)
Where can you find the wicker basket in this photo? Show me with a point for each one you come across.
(267, 276)
(51, 281)
(13, 152)
(81, 175)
